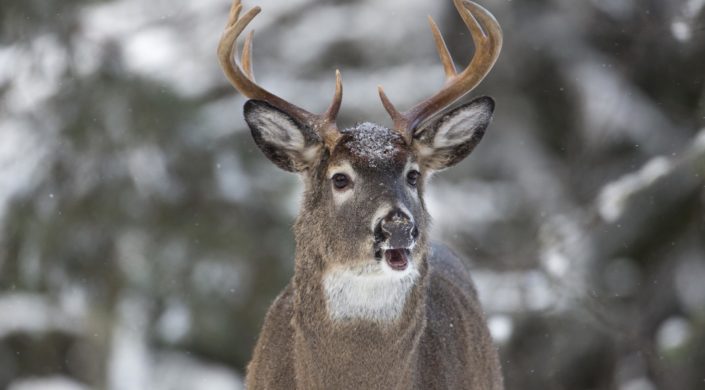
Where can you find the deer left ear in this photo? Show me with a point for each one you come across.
(452, 137)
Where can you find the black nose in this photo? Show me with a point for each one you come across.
(398, 230)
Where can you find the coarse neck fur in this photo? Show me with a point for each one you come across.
(336, 354)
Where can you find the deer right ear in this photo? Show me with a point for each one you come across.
(288, 144)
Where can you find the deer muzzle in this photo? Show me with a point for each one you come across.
(396, 234)
(398, 230)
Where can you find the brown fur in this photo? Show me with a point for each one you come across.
(440, 341)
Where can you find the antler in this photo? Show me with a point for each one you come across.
(243, 78)
(486, 35)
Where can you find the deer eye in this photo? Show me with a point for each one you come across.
(412, 177)
(340, 180)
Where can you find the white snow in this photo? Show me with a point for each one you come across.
(373, 143)
(614, 196)
(33, 313)
(516, 292)
(148, 169)
(689, 286)
(501, 327)
(178, 371)
(699, 142)
(681, 30)
(129, 362)
(638, 384)
(155, 46)
(673, 333)
(232, 182)
(614, 111)
(175, 322)
(470, 205)
(565, 250)
(47, 383)
(34, 72)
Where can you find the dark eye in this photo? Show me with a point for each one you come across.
(340, 180)
(412, 177)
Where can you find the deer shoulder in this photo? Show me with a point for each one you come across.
(456, 325)
(268, 370)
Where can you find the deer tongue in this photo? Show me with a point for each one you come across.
(396, 258)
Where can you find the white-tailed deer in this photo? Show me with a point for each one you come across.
(372, 303)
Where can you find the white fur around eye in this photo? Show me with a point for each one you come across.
(460, 127)
(411, 166)
(341, 196)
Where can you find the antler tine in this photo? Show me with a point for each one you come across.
(443, 53)
(247, 56)
(328, 131)
(334, 107)
(234, 13)
(486, 35)
(243, 78)
(398, 118)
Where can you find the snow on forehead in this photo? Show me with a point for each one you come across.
(372, 142)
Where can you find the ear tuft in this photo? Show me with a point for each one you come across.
(281, 138)
(452, 137)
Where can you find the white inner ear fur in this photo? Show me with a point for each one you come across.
(344, 167)
(460, 126)
(422, 150)
(311, 153)
(372, 292)
(280, 131)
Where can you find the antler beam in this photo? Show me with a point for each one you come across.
(487, 36)
(242, 77)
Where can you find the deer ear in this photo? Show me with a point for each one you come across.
(288, 144)
(449, 139)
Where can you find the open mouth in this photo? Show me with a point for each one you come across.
(397, 259)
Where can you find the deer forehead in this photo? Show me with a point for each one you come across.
(368, 145)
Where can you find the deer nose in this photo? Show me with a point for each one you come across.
(398, 230)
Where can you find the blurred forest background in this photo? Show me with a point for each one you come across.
(143, 235)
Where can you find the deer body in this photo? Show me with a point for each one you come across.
(372, 303)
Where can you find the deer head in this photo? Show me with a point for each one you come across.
(363, 208)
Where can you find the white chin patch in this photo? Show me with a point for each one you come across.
(373, 292)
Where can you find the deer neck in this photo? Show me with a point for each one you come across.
(313, 306)
(331, 351)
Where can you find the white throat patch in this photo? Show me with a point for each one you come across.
(374, 292)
